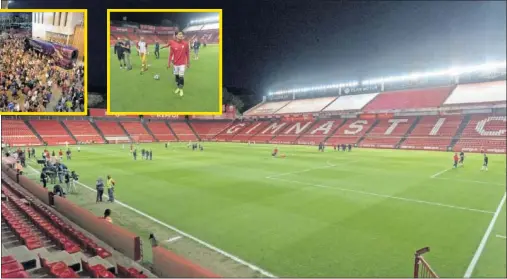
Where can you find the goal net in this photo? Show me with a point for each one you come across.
(422, 268)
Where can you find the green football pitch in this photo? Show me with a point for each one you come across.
(232, 208)
(132, 92)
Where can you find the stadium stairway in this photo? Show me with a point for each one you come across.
(335, 130)
(367, 132)
(172, 131)
(224, 129)
(125, 131)
(33, 130)
(409, 131)
(68, 131)
(148, 130)
(307, 129)
(192, 129)
(461, 128)
(94, 125)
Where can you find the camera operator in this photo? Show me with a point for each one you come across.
(57, 190)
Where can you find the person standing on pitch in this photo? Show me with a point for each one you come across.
(179, 58)
(119, 50)
(110, 188)
(157, 50)
(100, 189)
(126, 53)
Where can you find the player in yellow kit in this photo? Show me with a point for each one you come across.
(142, 48)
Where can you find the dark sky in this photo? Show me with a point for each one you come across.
(290, 43)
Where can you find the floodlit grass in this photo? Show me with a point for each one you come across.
(133, 92)
(334, 214)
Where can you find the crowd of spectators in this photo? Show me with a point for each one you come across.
(32, 82)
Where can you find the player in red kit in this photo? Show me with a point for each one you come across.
(179, 57)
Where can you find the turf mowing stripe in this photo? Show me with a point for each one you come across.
(329, 165)
(387, 196)
(470, 181)
(439, 173)
(205, 244)
(484, 240)
(501, 236)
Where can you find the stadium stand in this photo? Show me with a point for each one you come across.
(483, 133)
(83, 131)
(351, 131)
(207, 130)
(320, 131)
(306, 105)
(351, 102)
(15, 132)
(52, 132)
(43, 241)
(228, 133)
(265, 135)
(388, 132)
(409, 99)
(183, 131)
(292, 131)
(478, 93)
(112, 131)
(135, 129)
(251, 130)
(204, 32)
(433, 132)
(267, 108)
(161, 131)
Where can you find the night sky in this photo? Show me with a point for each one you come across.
(270, 45)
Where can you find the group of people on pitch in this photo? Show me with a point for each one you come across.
(460, 160)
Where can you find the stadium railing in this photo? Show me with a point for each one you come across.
(422, 268)
(122, 240)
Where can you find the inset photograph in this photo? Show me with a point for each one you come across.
(43, 62)
(164, 62)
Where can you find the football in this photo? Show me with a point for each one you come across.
(157, 77)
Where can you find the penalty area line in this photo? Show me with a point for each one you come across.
(182, 233)
(501, 236)
(439, 173)
(480, 249)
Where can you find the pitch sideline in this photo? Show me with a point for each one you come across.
(189, 236)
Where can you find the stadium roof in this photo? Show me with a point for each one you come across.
(452, 72)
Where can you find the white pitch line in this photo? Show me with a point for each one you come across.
(173, 239)
(501, 236)
(203, 243)
(470, 181)
(328, 165)
(387, 196)
(439, 173)
(484, 240)
(300, 171)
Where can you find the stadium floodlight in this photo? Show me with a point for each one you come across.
(453, 72)
(205, 20)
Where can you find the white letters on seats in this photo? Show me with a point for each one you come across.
(274, 127)
(480, 126)
(394, 125)
(358, 125)
(325, 128)
(236, 128)
(437, 127)
(253, 128)
(297, 127)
